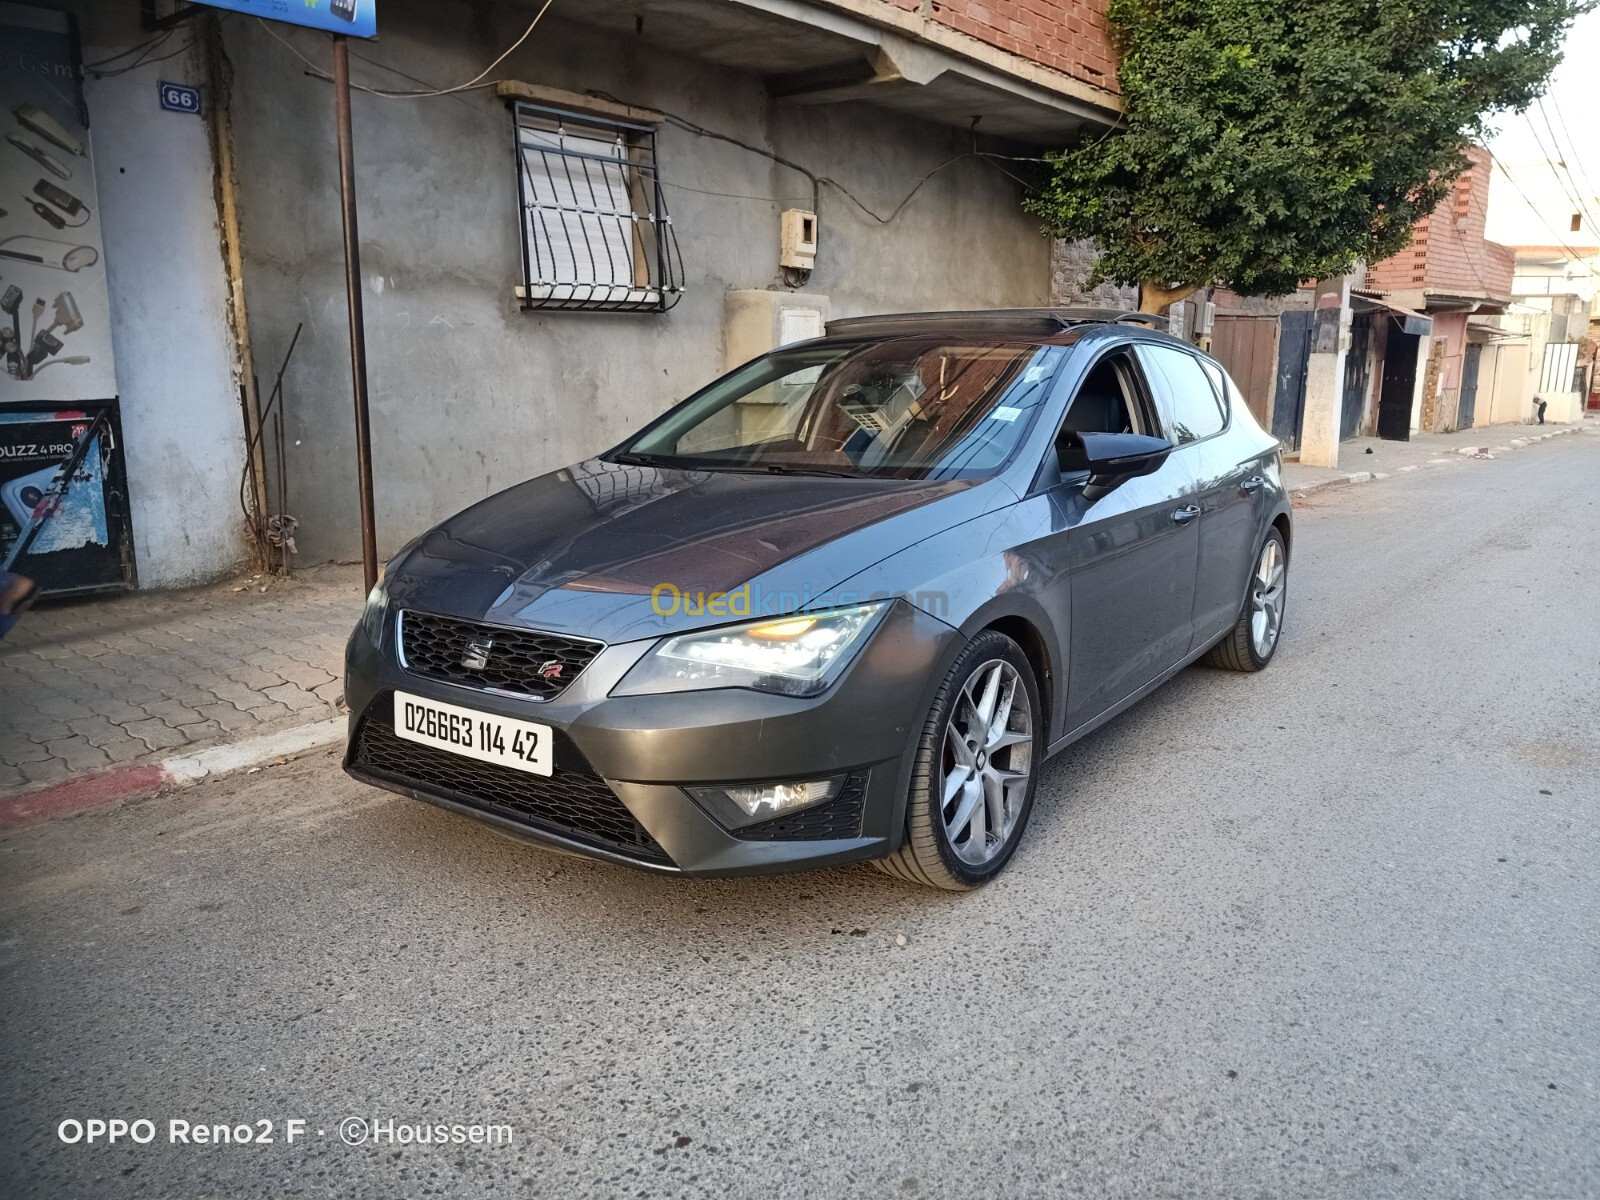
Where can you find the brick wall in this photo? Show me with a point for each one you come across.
(1069, 35)
(1448, 252)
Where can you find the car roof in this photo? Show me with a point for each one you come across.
(1003, 322)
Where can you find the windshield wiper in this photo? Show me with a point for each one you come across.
(789, 469)
(629, 458)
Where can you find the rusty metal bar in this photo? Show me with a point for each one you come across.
(358, 335)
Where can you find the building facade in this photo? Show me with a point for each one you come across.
(639, 196)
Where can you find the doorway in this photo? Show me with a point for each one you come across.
(1289, 389)
(1468, 403)
(1399, 383)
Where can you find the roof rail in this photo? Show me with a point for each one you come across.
(1038, 322)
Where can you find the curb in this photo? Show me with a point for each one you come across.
(132, 782)
(1457, 454)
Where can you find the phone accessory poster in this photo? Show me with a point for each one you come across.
(55, 316)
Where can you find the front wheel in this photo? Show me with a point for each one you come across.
(975, 769)
(1250, 644)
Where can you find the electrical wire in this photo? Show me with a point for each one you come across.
(1533, 208)
(688, 126)
(146, 44)
(1572, 144)
(144, 60)
(1551, 159)
(472, 84)
(1576, 194)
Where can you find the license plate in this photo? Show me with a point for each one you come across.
(522, 745)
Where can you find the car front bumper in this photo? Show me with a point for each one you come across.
(621, 764)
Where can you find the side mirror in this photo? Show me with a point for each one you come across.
(1115, 458)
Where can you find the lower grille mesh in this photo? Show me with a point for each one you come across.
(570, 803)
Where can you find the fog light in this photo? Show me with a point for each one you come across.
(743, 804)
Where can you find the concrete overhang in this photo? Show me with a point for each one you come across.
(1410, 320)
(834, 51)
(1429, 301)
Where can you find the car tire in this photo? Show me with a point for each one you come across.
(940, 849)
(1243, 647)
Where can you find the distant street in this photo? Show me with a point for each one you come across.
(1326, 931)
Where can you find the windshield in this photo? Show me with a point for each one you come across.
(904, 408)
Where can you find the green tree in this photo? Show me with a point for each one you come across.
(1267, 142)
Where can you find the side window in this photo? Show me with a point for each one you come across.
(1189, 405)
(1106, 401)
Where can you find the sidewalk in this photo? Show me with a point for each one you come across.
(138, 679)
(1356, 465)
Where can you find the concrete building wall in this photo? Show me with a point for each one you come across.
(182, 426)
(469, 394)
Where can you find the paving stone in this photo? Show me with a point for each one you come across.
(241, 697)
(201, 733)
(231, 719)
(78, 754)
(17, 748)
(293, 696)
(273, 713)
(49, 771)
(156, 734)
(303, 676)
(97, 730)
(172, 712)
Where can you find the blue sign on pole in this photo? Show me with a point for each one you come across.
(357, 18)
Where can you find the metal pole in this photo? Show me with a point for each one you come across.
(352, 282)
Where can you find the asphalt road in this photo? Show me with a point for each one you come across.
(1333, 930)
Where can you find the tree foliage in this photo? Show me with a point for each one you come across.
(1267, 142)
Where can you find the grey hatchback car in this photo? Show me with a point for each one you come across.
(839, 605)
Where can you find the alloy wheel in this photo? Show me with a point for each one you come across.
(1266, 598)
(988, 757)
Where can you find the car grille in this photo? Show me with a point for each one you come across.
(838, 818)
(518, 662)
(576, 804)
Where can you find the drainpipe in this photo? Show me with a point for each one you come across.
(219, 77)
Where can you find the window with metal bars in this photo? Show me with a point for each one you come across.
(595, 229)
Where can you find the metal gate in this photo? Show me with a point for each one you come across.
(1469, 386)
(1289, 393)
(1245, 345)
(1357, 377)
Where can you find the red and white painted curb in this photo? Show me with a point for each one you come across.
(1455, 455)
(146, 779)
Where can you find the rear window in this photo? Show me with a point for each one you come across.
(1189, 405)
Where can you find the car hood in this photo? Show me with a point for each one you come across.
(586, 550)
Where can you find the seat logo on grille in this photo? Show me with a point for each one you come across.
(476, 657)
(551, 669)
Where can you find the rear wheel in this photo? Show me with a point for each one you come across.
(1251, 642)
(973, 779)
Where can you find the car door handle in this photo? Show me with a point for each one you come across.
(1184, 515)
(1253, 484)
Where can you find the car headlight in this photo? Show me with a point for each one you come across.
(799, 655)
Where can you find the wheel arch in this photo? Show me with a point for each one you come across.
(1025, 634)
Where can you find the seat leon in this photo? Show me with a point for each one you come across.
(839, 605)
